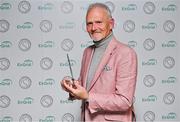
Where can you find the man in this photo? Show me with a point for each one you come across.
(108, 73)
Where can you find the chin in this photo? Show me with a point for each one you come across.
(96, 39)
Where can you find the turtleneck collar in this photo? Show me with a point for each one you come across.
(104, 42)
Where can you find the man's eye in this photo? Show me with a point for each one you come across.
(89, 23)
(98, 22)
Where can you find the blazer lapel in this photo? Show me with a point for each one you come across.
(107, 55)
(87, 63)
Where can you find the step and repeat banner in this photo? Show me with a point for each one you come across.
(36, 36)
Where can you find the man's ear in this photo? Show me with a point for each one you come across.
(111, 23)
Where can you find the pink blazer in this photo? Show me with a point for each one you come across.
(112, 88)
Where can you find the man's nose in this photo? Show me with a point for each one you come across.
(94, 26)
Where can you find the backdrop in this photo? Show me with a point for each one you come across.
(36, 35)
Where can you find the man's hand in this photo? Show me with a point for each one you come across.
(63, 86)
(76, 90)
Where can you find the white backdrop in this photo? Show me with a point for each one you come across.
(36, 35)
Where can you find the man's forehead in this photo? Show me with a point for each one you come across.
(97, 9)
(95, 17)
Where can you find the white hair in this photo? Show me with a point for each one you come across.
(100, 5)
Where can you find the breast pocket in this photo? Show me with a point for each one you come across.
(107, 79)
(108, 71)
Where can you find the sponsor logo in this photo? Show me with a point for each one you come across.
(170, 7)
(24, 7)
(46, 63)
(5, 44)
(6, 82)
(47, 82)
(169, 26)
(87, 44)
(4, 101)
(150, 98)
(149, 8)
(150, 62)
(67, 25)
(169, 44)
(25, 82)
(129, 26)
(110, 5)
(149, 80)
(66, 64)
(170, 80)
(4, 64)
(169, 116)
(168, 62)
(5, 6)
(66, 7)
(129, 7)
(47, 44)
(25, 118)
(24, 44)
(149, 26)
(67, 45)
(84, 7)
(134, 99)
(26, 25)
(65, 101)
(169, 98)
(4, 26)
(6, 119)
(25, 101)
(46, 6)
(132, 44)
(84, 26)
(46, 101)
(149, 44)
(26, 63)
(68, 118)
(45, 26)
(149, 116)
(48, 119)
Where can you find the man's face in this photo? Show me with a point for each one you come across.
(98, 24)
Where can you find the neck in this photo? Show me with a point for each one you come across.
(103, 41)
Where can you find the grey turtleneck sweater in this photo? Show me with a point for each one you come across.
(100, 47)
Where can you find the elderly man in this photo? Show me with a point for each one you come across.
(108, 73)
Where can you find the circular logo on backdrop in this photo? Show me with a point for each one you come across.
(149, 80)
(134, 99)
(110, 5)
(24, 44)
(25, 82)
(149, 44)
(24, 7)
(168, 98)
(168, 62)
(46, 101)
(67, 45)
(46, 63)
(4, 26)
(169, 26)
(149, 116)
(25, 118)
(129, 26)
(4, 101)
(84, 26)
(66, 7)
(68, 118)
(4, 63)
(45, 26)
(149, 8)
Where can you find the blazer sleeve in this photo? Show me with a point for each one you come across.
(122, 99)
